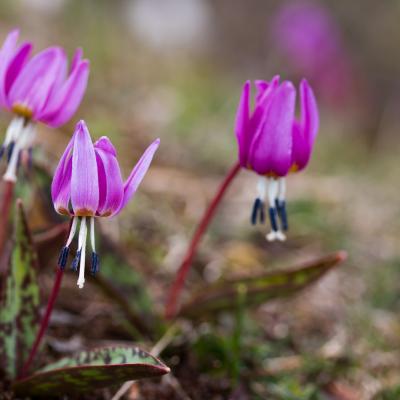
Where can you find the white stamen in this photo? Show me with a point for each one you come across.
(92, 237)
(72, 231)
(262, 188)
(275, 186)
(23, 137)
(272, 191)
(281, 189)
(13, 130)
(82, 249)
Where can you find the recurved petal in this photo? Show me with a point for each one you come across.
(111, 186)
(6, 54)
(61, 185)
(138, 173)
(301, 151)
(33, 85)
(105, 144)
(66, 101)
(84, 181)
(261, 86)
(270, 151)
(309, 119)
(242, 124)
(76, 60)
(16, 64)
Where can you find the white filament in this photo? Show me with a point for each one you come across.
(272, 191)
(23, 137)
(262, 188)
(13, 130)
(82, 249)
(92, 237)
(282, 189)
(72, 231)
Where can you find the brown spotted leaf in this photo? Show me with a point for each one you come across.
(258, 289)
(89, 370)
(19, 299)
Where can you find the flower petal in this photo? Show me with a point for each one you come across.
(305, 131)
(105, 144)
(16, 64)
(309, 112)
(138, 173)
(242, 124)
(6, 54)
(84, 182)
(262, 86)
(76, 60)
(66, 101)
(301, 151)
(270, 151)
(33, 85)
(262, 102)
(61, 185)
(111, 186)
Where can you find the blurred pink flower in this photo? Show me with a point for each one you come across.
(310, 39)
(272, 142)
(87, 184)
(34, 89)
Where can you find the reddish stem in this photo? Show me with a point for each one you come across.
(5, 212)
(46, 318)
(201, 228)
(44, 323)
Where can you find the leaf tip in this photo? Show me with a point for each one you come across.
(341, 256)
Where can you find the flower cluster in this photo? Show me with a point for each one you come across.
(41, 88)
(88, 184)
(273, 143)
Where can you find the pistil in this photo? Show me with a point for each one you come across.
(281, 203)
(82, 252)
(273, 190)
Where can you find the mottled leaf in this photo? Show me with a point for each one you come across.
(89, 370)
(258, 289)
(19, 299)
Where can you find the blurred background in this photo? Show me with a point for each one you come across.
(174, 69)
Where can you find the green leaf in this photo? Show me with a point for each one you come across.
(258, 289)
(19, 299)
(89, 370)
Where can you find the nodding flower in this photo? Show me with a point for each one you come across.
(41, 88)
(88, 184)
(273, 143)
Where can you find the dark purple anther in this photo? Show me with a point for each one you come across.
(75, 263)
(272, 218)
(95, 264)
(62, 259)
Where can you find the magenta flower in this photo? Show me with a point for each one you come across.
(310, 39)
(88, 184)
(37, 89)
(272, 142)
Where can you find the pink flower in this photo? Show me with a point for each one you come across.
(88, 184)
(272, 142)
(306, 33)
(41, 88)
